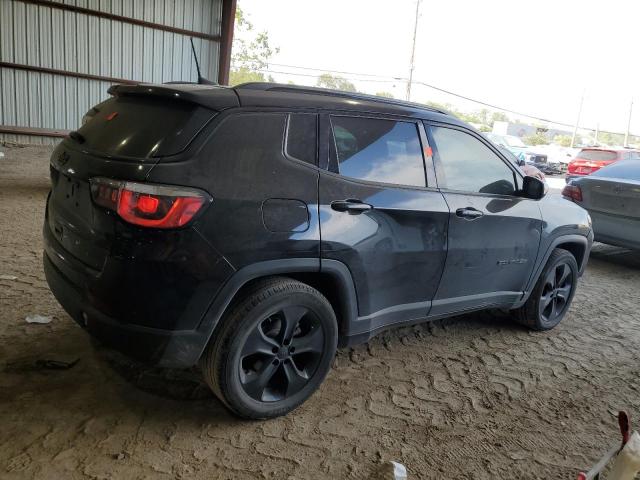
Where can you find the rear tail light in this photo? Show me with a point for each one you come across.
(149, 205)
(572, 192)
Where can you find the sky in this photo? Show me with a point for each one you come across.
(535, 57)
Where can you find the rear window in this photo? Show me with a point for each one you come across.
(302, 137)
(597, 155)
(628, 169)
(143, 127)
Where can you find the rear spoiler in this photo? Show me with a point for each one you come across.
(209, 96)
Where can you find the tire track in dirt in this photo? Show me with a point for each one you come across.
(471, 397)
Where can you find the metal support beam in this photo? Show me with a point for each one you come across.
(120, 18)
(226, 41)
(626, 133)
(39, 132)
(65, 73)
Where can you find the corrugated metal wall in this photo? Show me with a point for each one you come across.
(50, 37)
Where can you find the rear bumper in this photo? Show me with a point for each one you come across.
(144, 304)
(167, 348)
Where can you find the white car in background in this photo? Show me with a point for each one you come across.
(557, 155)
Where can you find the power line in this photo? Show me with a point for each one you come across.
(328, 70)
(397, 79)
(492, 106)
(316, 76)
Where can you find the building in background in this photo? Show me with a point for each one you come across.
(57, 58)
(524, 130)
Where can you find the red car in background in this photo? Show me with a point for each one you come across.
(590, 160)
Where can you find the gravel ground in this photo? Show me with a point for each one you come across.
(471, 397)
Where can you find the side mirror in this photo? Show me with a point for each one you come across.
(521, 162)
(533, 188)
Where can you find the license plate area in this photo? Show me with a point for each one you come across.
(71, 220)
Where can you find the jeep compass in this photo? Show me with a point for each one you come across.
(253, 230)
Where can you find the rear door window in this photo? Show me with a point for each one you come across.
(379, 150)
(143, 127)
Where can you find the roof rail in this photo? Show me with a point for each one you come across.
(281, 87)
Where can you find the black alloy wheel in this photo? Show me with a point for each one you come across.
(558, 285)
(552, 294)
(273, 349)
(281, 354)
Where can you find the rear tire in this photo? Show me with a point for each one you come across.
(272, 350)
(552, 295)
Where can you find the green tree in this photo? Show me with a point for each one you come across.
(251, 52)
(536, 139)
(562, 140)
(611, 139)
(499, 117)
(385, 94)
(326, 80)
(445, 107)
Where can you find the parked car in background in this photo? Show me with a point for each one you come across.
(558, 157)
(256, 228)
(592, 159)
(526, 169)
(530, 155)
(611, 195)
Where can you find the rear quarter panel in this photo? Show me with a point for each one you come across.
(242, 165)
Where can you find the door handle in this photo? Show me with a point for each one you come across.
(350, 205)
(469, 213)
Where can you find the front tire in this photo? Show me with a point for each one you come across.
(273, 350)
(552, 295)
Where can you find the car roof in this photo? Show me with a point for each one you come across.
(263, 94)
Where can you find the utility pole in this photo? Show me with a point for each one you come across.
(595, 141)
(575, 129)
(413, 51)
(626, 134)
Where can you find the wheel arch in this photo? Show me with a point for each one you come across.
(577, 249)
(577, 245)
(331, 278)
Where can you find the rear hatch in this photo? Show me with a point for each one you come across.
(121, 138)
(591, 160)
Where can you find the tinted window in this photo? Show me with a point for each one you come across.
(629, 169)
(142, 127)
(469, 165)
(301, 137)
(379, 150)
(597, 155)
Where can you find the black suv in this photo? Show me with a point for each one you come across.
(254, 229)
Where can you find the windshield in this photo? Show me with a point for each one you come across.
(514, 141)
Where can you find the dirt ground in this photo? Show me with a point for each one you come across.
(472, 397)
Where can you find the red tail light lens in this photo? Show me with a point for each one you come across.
(149, 205)
(572, 192)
